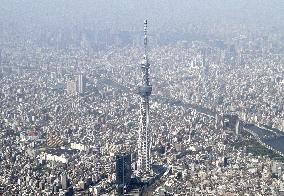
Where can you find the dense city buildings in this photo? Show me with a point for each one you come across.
(80, 116)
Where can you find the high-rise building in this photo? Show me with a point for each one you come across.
(123, 172)
(71, 87)
(144, 140)
(225, 161)
(232, 122)
(237, 127)
(64, 181)
(218, 121)
(81, 83)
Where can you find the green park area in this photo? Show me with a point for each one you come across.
(257, 149)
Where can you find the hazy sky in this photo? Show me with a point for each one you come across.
(128, 14)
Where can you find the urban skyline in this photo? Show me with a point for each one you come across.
(94, 103)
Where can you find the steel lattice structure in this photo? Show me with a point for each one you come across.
(144, 140)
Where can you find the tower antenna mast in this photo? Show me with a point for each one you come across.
(145, 90)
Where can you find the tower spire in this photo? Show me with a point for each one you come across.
(145, 39)
(145, 89)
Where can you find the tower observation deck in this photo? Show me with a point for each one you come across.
(145, 89)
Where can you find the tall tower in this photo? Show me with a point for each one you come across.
(145, 89)
(0, 57)
(1, 71)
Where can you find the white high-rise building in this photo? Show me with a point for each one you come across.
(81, 83)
